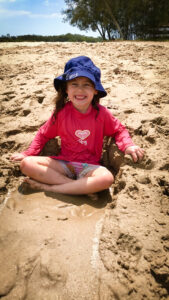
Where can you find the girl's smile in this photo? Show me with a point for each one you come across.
(80, 97)
(80, 92)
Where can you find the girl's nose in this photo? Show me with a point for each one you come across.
(80, 87)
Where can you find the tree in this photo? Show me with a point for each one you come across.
(90, 14)
(141, 18)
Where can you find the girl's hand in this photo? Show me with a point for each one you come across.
(17, 156)
(136, 152)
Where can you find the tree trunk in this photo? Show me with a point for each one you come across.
(114, 19)
(101, 32)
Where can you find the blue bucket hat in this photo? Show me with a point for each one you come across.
(81, 66)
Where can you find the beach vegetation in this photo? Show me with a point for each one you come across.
(52, 38)
(114, 19)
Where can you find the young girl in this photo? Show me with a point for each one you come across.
(81, 122)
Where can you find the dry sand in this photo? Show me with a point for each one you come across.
(56, 247)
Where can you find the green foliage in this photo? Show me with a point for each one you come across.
(120, 18)
(89, 14)
(55, 38)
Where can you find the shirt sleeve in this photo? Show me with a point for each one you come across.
(46, 132)
(114, 128)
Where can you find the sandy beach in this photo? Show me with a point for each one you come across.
(57, 247)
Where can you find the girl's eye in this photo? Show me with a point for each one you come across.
(87, 85)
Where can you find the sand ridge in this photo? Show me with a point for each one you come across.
(54, 247)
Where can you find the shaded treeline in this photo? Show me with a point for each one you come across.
(54, 38)
(131, 19)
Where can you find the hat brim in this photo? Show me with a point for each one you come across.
(80, 73)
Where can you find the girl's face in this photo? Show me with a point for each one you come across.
(80, 92)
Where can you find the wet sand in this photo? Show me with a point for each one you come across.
(67, 247)
(55, 246)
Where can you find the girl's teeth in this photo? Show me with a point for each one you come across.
(80, 97)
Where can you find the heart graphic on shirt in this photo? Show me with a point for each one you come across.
(82, 134)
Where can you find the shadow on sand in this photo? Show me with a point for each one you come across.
(104, 197)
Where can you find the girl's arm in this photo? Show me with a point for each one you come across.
(114, 128)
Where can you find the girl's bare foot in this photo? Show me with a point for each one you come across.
(38, 185)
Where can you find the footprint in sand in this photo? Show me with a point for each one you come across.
(51, 271)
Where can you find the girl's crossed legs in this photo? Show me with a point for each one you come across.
(48, 174)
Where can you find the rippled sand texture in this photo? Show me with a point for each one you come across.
(59, 247)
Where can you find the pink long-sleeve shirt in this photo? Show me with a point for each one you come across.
(81, 134)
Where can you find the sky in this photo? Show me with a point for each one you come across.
(41, 17)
